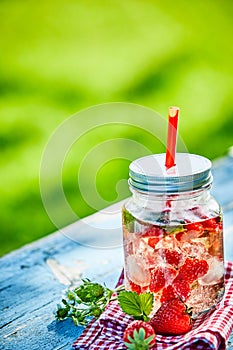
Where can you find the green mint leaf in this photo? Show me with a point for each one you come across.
(130, 303)
(65, 302)
(62, 313)
(174, 229)
(70, 295)
(127, 217)
(146, 302)
(138, 306)
(89, 292)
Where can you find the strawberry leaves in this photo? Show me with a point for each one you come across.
(138, 306)
(139, 335)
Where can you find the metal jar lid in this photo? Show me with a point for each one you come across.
(191, 172)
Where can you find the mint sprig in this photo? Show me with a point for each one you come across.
(86, 301)
(138, 306)
(91, 299)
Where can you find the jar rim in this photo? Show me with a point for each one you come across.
(191, 172)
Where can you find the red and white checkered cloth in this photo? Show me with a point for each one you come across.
(210, 331)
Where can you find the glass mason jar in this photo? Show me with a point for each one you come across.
(172, 232)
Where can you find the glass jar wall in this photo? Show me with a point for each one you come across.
(172, 230)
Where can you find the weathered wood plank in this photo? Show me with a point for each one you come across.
(33, 278)
(30, 290)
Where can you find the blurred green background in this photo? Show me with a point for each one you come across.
(58, 57)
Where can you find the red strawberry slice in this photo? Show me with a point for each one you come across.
(135, 287)
(172, 318)
(153, 231)
(214, 224)
(161, 276)
(194, 227)
(210, 224)
(179, 289)
(182, 288)
(139, 335)
(154, 234)
(168, 293)
(152, 241)
(193, 269)
(189, 272)
(192, 231)
(179, 236)
(157, 280)
(170, 256)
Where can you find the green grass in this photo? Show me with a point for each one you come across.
(59, 57)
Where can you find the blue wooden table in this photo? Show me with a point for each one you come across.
(34, 277)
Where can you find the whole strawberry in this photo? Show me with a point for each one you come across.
(172, 318)
(139, 335)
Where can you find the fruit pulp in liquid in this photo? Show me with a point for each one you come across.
(184, 261)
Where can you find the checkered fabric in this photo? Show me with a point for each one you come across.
(210, 331)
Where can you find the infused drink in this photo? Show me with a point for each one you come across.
(173, 236)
